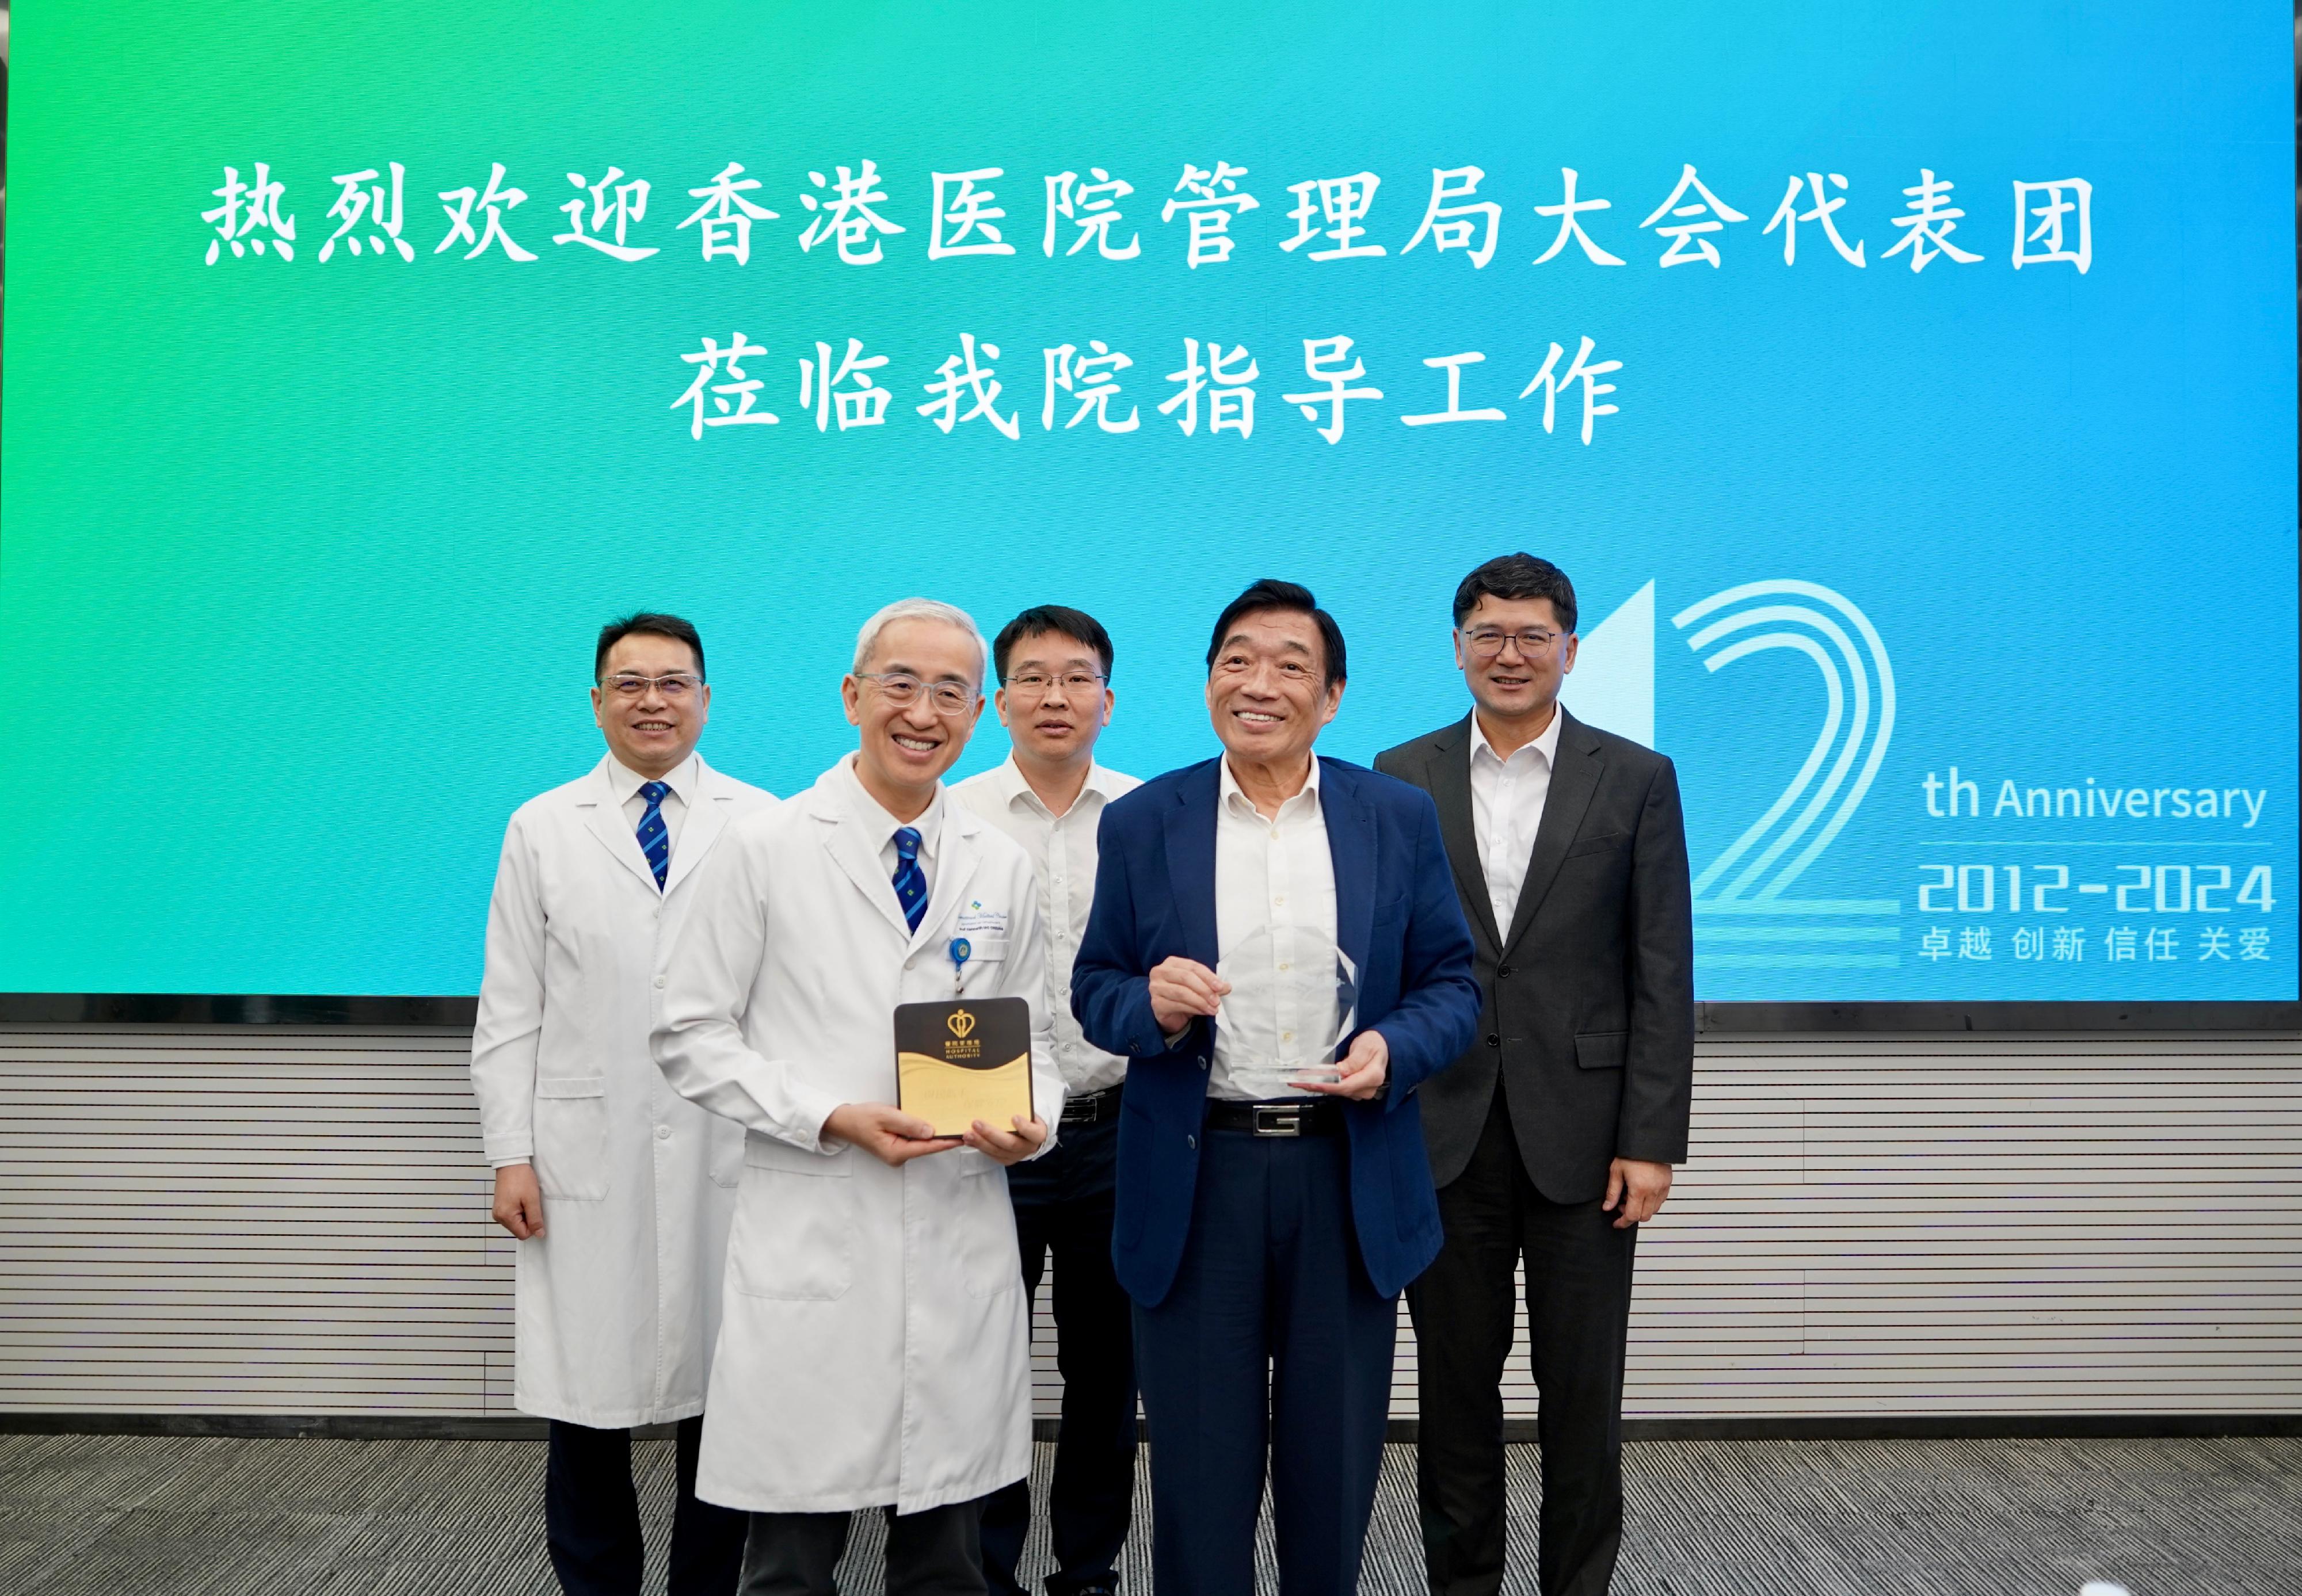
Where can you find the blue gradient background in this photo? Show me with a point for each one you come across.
(308, 557)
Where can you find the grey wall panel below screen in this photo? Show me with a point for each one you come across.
(214, 1219)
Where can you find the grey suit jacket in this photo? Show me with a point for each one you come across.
(1590, 990)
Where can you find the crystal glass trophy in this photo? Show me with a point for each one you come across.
(1294, 1001)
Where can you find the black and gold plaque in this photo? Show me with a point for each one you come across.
(960, 1062)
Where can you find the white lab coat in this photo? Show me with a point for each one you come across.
(874, 1348)
(618, 1302)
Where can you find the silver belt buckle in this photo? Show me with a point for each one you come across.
(1278, 1119)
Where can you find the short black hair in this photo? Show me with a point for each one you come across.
(648, 623)
(1062, 621)
(1271, 593)
(1517, 576)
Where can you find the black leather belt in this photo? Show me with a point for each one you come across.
(1294, 1116)
(1094, 1106)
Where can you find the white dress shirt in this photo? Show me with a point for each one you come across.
(1062, 864)
(1507, 800)
(873, 815)
(627, 782)
(1272, 875)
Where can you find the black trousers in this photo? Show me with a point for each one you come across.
(934, 1553)
(591, 1517)
(1578, 1307)
(1271, 1340)
(1063, 1205)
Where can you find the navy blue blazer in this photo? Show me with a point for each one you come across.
(1398, 918)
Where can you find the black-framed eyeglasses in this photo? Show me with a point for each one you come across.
(1487, 641)
(949, 698)
(678, 684)
(1032, 685)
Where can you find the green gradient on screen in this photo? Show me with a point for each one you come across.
(301, 562)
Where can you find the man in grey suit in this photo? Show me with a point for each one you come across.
(1553, 1137)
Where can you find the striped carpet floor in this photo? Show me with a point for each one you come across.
(233, 1517)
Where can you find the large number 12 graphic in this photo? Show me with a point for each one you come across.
(1858, 722)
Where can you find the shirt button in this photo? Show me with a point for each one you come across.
(1278, 899)
(1192, 1142)
(659, 981)
(663, 1133)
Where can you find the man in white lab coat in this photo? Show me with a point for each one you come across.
(619, 1190)
(874, 1352)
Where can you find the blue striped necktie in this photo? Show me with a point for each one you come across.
(910, 881)
(655, 838)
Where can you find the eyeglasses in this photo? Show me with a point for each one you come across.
(949, 698)
(1035, 686)
(675, 686)
(1487, 641)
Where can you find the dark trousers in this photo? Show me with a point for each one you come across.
(1063, 1205)
(1578, 1308)
(591, 1517)
(934, 1553)
(1271, 1337)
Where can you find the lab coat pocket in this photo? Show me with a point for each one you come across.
(571, 1138)
(795, 1235)
(724, 1147)
(986, 965)
(989, 1259)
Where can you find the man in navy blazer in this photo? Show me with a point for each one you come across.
(1267, 1218)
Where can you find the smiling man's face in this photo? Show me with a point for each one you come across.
(650, 732)
(1056, 702)
(1267, 692)
(1516, 682)
(904, 749)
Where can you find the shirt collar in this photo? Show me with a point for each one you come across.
(881, 825)
(1230, 789)
(1547, 743)
(1013, 789)
(682, 778)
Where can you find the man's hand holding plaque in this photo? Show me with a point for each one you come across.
(1008, 1146)
(885, 1131)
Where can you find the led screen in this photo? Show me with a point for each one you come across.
(1909, 391)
